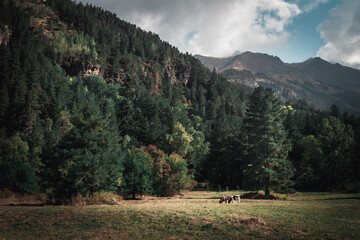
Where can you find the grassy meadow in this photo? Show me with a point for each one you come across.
(194, 215)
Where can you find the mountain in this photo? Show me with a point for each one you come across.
(317, 81)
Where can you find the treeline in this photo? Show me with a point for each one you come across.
(152, 120)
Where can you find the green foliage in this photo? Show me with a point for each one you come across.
(71, 48)
(171, 174)
(266, 144)
(312, 162)
(199, 148)
(337, 140)
(179, 140)
(180, 177)
(225, 154)
(161, 169)
(136, 177)
(189, 144)
(88, 157)
(18, 173)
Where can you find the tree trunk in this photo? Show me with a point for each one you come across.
(267, 192)
(133, 195)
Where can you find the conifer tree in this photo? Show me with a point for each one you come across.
(266, 145)
(223, 156)
(337, 140)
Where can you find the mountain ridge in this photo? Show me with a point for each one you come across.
(319, 82)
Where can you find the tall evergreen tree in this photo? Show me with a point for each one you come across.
(311, 164)
(266, 144)
(337, 140)
(223, 157)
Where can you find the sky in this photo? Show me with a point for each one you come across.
(294, 30)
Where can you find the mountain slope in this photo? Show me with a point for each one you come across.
(316, 80)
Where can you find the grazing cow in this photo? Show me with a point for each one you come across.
(226, 199)
(236, 198)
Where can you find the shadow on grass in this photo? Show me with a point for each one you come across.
(214, 197)
(342, 198)
(25, 205)
(134, 199)
(250, 196)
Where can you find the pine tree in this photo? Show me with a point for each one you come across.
(337, 140)
(224, 156)
(266, 145)
(311, 165)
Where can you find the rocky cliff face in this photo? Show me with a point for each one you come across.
(5, 34)
(315, 80)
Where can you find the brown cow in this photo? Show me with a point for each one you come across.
(226, 199)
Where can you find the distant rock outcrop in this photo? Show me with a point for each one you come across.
(5, 34)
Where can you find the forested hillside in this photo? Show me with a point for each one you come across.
(91, 103)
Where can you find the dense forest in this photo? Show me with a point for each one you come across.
(91, 103)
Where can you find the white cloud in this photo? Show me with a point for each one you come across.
(210, 27)
(312, 4)
(341, 34)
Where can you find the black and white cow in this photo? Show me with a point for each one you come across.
(236, 198)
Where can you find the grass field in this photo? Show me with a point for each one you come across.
(196, 215)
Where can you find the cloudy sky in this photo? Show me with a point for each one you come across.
(294, 30)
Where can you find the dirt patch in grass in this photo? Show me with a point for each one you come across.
(245, 220)
(251, 221)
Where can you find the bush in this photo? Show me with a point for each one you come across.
(171, 174)
(17, 173)
(353, 187)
